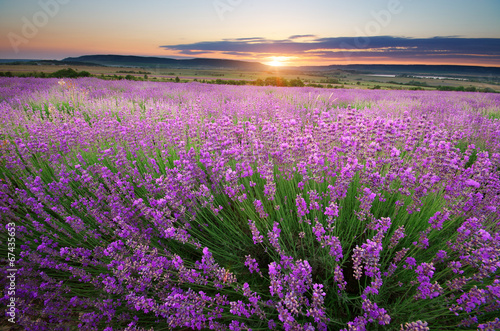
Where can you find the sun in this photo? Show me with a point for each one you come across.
(277, 61)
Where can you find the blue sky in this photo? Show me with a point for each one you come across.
(375, 31)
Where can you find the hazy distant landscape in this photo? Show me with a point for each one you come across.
(430, 77)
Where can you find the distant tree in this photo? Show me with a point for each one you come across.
(296, 82)
(145, 77)
(445, 88)
(470, 89)
(69, 73)
(177, 79)
(259, 82)
(416, 83)
(332, 81)
(271, 81)
(275, 81)
(64, 73)
(314, 85)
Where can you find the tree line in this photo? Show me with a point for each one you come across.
(269, 81)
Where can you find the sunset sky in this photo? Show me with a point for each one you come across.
(280, 32)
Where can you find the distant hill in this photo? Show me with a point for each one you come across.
(10, 61)
(200, 63)
(398, 69)
(149, 62)
(160, 62)
(45, 62)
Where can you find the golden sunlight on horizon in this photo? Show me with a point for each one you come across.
(278, 61)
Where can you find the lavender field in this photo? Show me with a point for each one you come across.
(160, 206)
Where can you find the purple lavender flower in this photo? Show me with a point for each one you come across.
(274, 236)
(397, 236)
(259, 207)
(415, 326)
(256, 236)
(438, 219)
(339, 278)
(252, 264)
(301, 206)
(425, 271)
(472, 183)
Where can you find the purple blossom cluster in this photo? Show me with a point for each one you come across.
(142, 205)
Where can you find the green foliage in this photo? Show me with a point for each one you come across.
(69, 73)
(466, 89)
(219, 81)
(133, 72)
(259, 82)
(296, 82)
(314, 85)
(269, 81)
(494, 116)
(275, 81)
(417, 83)
(487, 90)
(330, 81)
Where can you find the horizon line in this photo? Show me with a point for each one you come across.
(256, 62)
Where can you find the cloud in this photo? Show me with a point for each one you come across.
(194, 52)
(238, 53)
(386, 47)
(297, 36)
(247, 39)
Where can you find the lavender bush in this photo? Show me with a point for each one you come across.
(144, 206)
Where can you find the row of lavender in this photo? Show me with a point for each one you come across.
(152, 205)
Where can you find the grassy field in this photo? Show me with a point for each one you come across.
(345, 79)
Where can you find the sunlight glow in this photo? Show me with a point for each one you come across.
(277, 61)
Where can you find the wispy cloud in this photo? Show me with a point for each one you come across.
(351, 48)
(298, 36)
